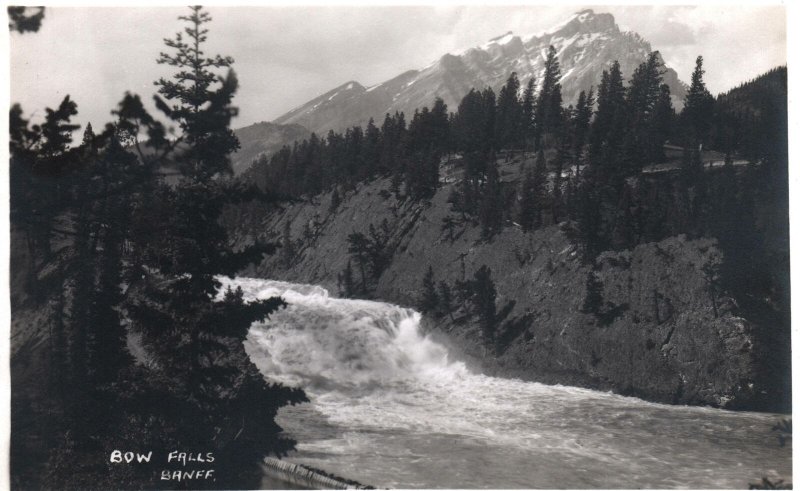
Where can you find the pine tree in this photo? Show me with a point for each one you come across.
(643, 142)
(589, 219)
(347, 284)
(698, 111)
(429, 300)
(491, 207)
(608, 127)
(548, 102)
(663, 122)
(198, 342)
(445, 299)
(483, 299)
(509, 114)
(581, 119)
(359, 248)
(203, 114)
(528, 107)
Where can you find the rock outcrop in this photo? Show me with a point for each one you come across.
(662, 332)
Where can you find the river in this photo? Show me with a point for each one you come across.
(389, 408)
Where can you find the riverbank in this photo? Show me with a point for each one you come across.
(393, 408)
(665, 331)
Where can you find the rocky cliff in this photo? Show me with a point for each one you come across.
(663, 335)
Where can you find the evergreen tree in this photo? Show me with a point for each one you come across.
(581, 119)
(609, 125)
(445, 299)
(202, 113)
(359, 248)
(589, 219)
(491, 207)
(642, 141)
(483, 300)
(698, 111)
(347, 286)
(548, 102)
(371, 150)
(197, 341)
(663, 122)
(528, 108)
(429, 300)
(509, 114)
(489, 121)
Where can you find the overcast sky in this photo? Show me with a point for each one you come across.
(284, 56)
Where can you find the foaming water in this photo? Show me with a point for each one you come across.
(389, 408)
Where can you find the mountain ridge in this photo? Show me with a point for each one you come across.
(587, 43)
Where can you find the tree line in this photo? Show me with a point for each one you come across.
(619, 168)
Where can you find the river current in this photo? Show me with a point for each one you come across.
(390, 408)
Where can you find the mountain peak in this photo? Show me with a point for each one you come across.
(503, 38)
(582, 22)
(586, 43)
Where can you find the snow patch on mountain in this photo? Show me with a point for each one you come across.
(586, 43)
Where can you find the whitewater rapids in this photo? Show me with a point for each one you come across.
(391, 409)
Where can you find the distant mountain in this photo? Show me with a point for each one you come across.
(587, 43)
(265, 138)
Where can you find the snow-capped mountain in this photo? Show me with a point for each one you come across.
(587, 43)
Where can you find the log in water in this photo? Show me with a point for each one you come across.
(390, 408)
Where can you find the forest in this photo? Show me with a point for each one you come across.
(110, 246)
(121, 236)
(618, 169)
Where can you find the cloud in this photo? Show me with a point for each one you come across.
(288, 55)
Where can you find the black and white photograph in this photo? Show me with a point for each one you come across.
(396, 246)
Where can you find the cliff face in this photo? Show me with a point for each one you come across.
(661, 333)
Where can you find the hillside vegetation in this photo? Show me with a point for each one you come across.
(623, 248)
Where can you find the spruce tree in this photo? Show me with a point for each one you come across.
(491, 206)
(641, 99)
(429, 299)
(698, 111)
(509, 114)
(663, 122)
(608, 127)
(347, 284)
(483, 300)
(528, 108)
(445, 299)
(196, 340)
(548, 102)
(581, 119)
(359, 249)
